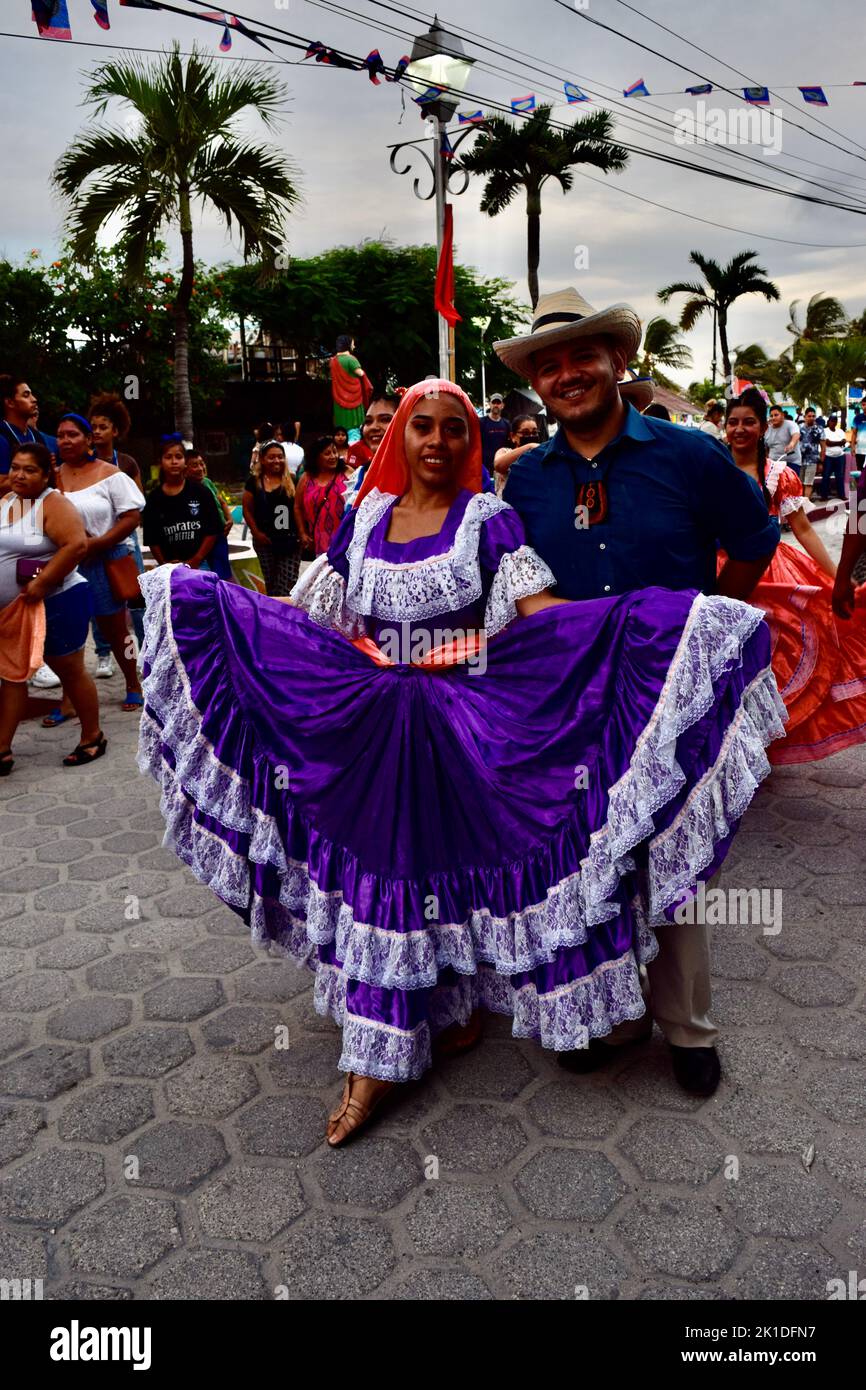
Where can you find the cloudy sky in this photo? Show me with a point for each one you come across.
(338, 128)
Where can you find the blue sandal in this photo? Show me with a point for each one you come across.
(133, 701)
(55, 717)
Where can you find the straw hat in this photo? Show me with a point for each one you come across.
(563, 317)
(637, 390)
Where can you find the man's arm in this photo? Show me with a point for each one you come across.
(734, 511)
(739, 577)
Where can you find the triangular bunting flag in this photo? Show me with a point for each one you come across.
(757, 96)
(100, 13)
(523, 103)
(471, 117)
(431, 94)
(399, 69)
(374, 65)
(703, 90)
(814, 96)
(637, 89)
(573, 92)
(52, 19)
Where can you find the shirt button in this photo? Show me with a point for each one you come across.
(595, 465)
(607, 588)
(602, 546)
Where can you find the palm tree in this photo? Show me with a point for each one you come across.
(663, 347)
(825, 319)
(722, 286)
(827, 369)
(184, 152)
(514, 156)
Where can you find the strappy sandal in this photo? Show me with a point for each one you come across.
(133, 701)
(7, 762)
(353, 1110)
(82, 754)
(454, 1040)
(55, 717)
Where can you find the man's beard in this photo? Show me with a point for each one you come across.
(591, 421)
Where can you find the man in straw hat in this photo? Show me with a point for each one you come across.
(617, 501)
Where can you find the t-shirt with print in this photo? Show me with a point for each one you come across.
(178, 524)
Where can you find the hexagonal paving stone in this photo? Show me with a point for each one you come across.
(681, 1236)
(26, 931)
(14, 1035)
(124, 1237)
(23, 1255)
(91, 828)
(130, 842)
(185, 902)
(12, 962)
(834, 1035)
(306, 1062)
(495, 1071)
(738, 960)
(160, 937)
(224, 922)
(64, 897)
(780, 1202)
(19, 1125)
(225, 1275)
(210, 1087)
(63, 851)
(69, 953)
(556, 1265)
(813, 985)
(282, 1126)
(843, 890)
(474, 1138)
(649, 1083)
(456, 1219)
(668, 1150)
(781, 1272)
(26, 805)
(575, 1109)
(270, 982)
(250, 1204)
(87, 1019)
(148, 886)
(106, 1113)
(336, 1257)
(97, 868)
(159, 858)
(378, 1173)
(182, 999)
(103, 919)
(128, 972)
(802, 941)
(758, 1058)
(28, 994)
(26, 877)
(44, 1072)
(844, 1157)
(11, 905)
(438, 1285)
(177, 1156)
(569, 1185)
(50, 1187)
(242, 1028)
(744, 1002)
(839, 1091)
(765, 1123)
(148, 1052)
(219, 957)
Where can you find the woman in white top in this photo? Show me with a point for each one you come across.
(834, 452)
(41, 540)
(110, 505)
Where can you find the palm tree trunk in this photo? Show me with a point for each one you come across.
(723, 343)
(533, 240)
(183, 421)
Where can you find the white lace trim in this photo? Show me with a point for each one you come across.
(521, 574)
(306, 917)
(321, 593)
(789, 505)
(423, 588)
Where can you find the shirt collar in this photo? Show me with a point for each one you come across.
(635, 427)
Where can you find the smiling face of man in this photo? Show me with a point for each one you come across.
(578, 381)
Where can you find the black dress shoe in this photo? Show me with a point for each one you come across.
(696, 1069)
(598, 1054)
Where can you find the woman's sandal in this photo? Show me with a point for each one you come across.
(7, 762)
(353, 1111)
(454, 1040)
(133, 701)
(82, 754)
(55, 717)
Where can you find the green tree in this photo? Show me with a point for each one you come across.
(383, 296)
(722, 287)
(827, 369)
(521, 156)
(662, 347)
(825, 318)
(185, 152)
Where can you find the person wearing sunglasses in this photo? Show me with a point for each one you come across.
(524, 436)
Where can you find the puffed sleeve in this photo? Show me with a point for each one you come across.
(124, 494)
(518, 572)
(321, 590)
(789, 493)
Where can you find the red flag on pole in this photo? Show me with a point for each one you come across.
(444, 296)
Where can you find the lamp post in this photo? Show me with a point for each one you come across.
(438, 60)
(483, 325)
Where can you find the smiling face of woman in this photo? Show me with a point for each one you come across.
(273, 461)
(73, 445)
(173, 464)
(744, 429)
(437, 441)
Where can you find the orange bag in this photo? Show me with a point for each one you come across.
(22, 639)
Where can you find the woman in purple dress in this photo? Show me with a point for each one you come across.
(437, 785)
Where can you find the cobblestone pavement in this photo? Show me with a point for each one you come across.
(155, 1143)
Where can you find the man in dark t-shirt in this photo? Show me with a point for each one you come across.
(495, 431)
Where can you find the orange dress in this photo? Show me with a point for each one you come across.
(819, 663)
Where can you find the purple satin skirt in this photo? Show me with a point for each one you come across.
(432, 842)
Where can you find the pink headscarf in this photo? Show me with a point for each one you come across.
(389, 471)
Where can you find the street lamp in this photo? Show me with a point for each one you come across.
(439, 60)
(483, 324)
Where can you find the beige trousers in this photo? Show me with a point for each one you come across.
(677, 989)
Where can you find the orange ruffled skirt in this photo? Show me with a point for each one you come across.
(819, 662)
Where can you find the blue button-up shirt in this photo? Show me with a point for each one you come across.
(673, 496)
